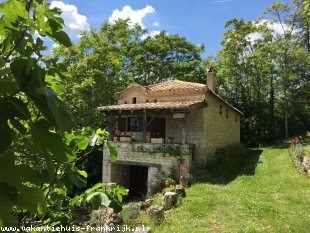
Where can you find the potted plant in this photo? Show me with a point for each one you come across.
(126, 137)
(117, 136)
(169, 182)
(170, 139)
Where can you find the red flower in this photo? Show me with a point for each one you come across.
(117, 132)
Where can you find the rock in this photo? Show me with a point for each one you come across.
(145, 230)
(184, 182)
(146, 204)
(170, 199)
(106, 216)
(180, 190)
(156, 213)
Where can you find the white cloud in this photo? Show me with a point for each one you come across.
(74, 22)
(135, 16)
(156, 24)
(55, 45)
(151, 34)
(277, 29)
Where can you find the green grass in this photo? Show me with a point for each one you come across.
(267, 194)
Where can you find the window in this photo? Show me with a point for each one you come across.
(125, 102)
(134, 124)
(147, 101)
(220, 109)
(236, 117)
(155, 101)
(134, 100)
(122, 124)
(226, 113)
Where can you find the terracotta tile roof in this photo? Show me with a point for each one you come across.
(168, 88)
(179, 105)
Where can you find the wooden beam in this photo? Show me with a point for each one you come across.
(183, 125)
(144, 126)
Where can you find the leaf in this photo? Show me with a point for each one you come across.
(62, 38)
(13, 107)
(6, 217)
(81, 142)
(31, 199)
(48, 142)
(98, 199)
(21, 69)
(6, 138)
(60, 112)
(28, 174)
(76, 177)
(113, 152)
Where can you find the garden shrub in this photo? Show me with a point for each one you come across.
(130, 212)
(230, 155)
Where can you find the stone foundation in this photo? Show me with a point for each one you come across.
(141, 154)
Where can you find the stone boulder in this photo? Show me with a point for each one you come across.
(170, 200)
(106, 216)
(180, 190)
(156, 213)
(146, 204)
(184, 182)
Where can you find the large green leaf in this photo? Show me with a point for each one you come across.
(113, 152)
(60, 111)
(6, 138)
(6, 217)
(12, 107)
(98, 199)
(62, 38)
(76, 176)
(48, 142)
(31, 199)
(21, 69)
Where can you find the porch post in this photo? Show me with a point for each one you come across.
(111, 122)
(144, 127)
(183, 125)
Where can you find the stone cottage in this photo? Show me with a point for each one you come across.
(156, 125)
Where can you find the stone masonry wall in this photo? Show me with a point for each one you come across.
(129, 154)
(195, 124)
(220, 130)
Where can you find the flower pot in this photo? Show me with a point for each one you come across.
(125, 139)
(157, 140)
(167, 184)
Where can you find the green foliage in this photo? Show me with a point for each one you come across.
(38, 148)
(130, 212)
(101, 194)
(264, 73)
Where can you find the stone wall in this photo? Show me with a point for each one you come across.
(220, 130)
(195, 124)
(131, 154)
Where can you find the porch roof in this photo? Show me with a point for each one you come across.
(177, 105)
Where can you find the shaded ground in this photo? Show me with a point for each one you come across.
(267, 194)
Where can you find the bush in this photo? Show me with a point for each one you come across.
(130, 212)
(230, 155)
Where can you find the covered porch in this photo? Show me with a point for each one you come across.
(157, 122)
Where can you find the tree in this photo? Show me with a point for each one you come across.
(165, 57)
(264, 72)
(38, 148)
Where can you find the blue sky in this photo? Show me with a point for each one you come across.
(200, 21)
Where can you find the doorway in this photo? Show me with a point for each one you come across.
(138, 181)
(158, 128)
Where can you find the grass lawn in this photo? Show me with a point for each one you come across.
(268, 194)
